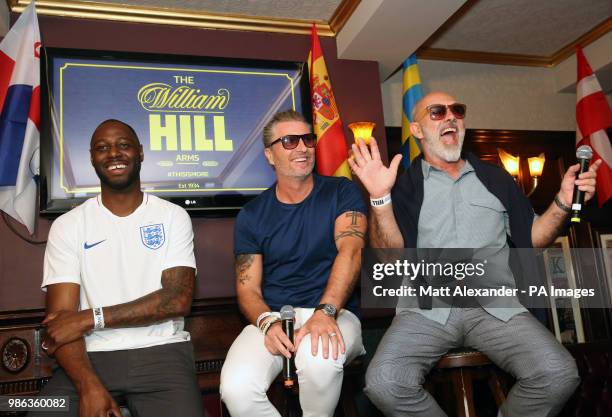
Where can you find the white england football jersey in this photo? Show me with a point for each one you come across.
(119, 259)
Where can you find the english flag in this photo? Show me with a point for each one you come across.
(593, 117)
(20, 118)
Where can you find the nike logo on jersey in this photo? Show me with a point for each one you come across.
(86, 246)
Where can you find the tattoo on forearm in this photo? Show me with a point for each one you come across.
(170, 301)
(176, 285)
(243, 263)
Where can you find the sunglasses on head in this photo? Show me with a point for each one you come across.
(291, 141)
(438, 111)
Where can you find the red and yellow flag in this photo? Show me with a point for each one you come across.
(332, 151)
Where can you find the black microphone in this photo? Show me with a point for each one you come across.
(287, 319)
(584, 154)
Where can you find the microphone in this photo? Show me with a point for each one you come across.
(287, 319)
(584, 154)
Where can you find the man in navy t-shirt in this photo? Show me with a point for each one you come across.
(299, 243)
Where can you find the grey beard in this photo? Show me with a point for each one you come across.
(437, 148)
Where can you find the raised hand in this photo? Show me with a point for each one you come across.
(373, 174)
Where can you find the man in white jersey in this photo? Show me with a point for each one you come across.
(119, 273)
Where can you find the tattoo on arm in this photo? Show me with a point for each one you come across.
(243, 263)
(353, 229)
(172, 300)
(176, 285)
(354, 215)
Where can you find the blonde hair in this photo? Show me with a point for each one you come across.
(282, 116)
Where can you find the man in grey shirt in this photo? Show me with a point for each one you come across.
(447, 200)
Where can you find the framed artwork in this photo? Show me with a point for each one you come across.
(605, 241)
(560, 273)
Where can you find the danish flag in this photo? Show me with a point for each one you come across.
(593, 117)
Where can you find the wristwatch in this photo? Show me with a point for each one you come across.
(327, 309)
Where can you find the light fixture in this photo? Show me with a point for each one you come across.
(362, 130)
(536, 166)
(512, 165)
(511, 162)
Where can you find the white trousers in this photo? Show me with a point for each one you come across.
(250, 368)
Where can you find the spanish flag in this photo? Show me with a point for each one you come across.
(332, 151)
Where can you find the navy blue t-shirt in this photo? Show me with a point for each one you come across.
(296, 241)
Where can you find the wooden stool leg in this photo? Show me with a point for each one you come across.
(462, 384)
(496, 388)
(349, 408)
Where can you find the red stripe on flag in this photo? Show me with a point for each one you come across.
(315, 44)
(593, 114)
(604, 183)
(6, 72)
(34, 114)
(604, 175)
(331, 150)
(315, 53)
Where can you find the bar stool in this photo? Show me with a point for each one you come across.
(463, 365)
(122, 403)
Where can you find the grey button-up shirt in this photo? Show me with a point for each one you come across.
(462, 213)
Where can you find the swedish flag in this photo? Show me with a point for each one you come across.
(412, 93)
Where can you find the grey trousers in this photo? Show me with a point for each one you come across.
(546, 373)
(158, 381)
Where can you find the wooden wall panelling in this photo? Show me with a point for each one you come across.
(213, 325)
(37, 366)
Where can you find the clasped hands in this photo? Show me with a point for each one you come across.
(65, 326)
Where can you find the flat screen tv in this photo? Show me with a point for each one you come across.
(199, 120)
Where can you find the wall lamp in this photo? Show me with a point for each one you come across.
(362, 130)
(512, 165)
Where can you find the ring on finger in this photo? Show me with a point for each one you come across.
(332, 334)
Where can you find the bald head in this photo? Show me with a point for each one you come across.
(109, 122)
(440, 128)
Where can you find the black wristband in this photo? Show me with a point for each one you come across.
(562, 206)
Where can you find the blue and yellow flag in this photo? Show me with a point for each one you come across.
(412, 93)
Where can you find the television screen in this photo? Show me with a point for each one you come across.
(199, 120)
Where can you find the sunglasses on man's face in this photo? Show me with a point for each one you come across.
(291, 141)
(438, 111)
